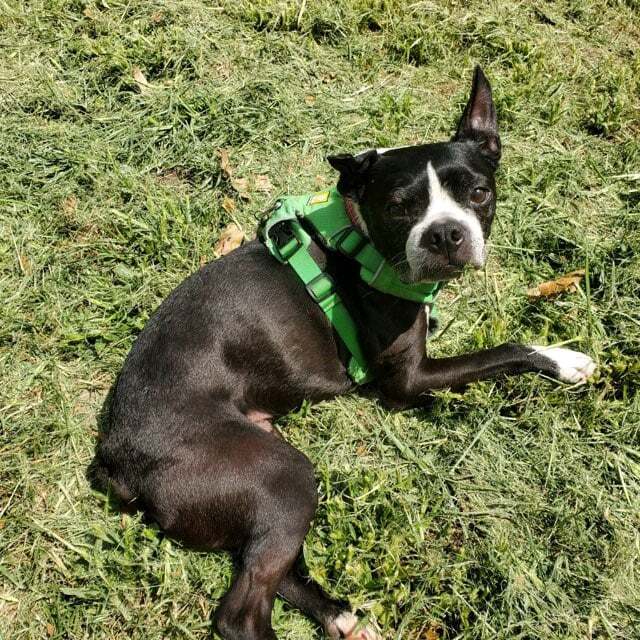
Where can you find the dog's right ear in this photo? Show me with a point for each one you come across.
(353, 171)
(479, 121)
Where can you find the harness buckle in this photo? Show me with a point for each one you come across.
(284, 239)
(320, 287)
(351, 241)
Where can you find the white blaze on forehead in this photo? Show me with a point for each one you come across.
(382, 150)
(443, 207)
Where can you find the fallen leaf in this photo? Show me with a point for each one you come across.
(433, 632)
(310, 100)
(140, 80)
(230, 238)
(50, 629)
(241, 185)
(228, 205)
(262, 183)
(225, 165)
(567, 283)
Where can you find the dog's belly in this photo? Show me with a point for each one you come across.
(261, 419)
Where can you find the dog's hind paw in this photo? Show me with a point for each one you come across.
(570, 366)
(349, 627)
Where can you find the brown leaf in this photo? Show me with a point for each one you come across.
(225, 165)
(140, 80)
(310, 100)
(230, 238)
(433, 632)
(50, 629)
(567, 283)
(228, 205)
(241, 185)
(262, 183)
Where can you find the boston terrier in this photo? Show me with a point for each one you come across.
(190, 440)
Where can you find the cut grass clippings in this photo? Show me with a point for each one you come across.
(510, 511)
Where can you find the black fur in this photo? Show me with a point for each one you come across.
(189, 439)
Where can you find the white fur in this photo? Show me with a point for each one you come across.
(347, 625)
(383, 150)
(442, 206)
(573, 366)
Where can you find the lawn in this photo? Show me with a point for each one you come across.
(510, 511)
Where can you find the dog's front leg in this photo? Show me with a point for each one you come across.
(407, 385)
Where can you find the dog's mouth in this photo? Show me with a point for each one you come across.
(435, 273)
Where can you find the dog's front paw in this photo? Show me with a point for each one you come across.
(569, 366)
(348, 626)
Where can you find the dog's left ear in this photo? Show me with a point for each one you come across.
(353, 171)
(479, 121)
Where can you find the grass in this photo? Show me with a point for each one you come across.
(511, 511)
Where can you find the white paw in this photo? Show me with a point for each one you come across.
(349, 628)
(572, 366)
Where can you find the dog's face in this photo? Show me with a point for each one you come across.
(428, 209)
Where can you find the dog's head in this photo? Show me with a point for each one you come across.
(428, 209)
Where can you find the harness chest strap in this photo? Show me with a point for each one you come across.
(289, 243)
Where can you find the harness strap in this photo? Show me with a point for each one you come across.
(321, 287)
(325, 214)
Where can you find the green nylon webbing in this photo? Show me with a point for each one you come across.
(320, 287)
(287, 240)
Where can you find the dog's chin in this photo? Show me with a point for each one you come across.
(440, 273)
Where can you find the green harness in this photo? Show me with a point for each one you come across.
(324, 214)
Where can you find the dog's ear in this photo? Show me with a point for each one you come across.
(479, 121)
(353, 171)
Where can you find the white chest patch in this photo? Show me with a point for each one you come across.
(442, 206)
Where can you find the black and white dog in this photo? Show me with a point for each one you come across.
(190, 439)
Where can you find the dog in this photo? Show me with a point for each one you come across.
(190, 438)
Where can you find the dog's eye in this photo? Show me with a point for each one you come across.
(480, 195)
(395, 210)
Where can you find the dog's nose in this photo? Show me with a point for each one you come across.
(444, 237)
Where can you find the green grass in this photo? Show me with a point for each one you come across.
(511, 511)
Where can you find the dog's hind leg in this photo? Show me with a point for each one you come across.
(232, 485)
(334, 615)
(245, 611)
(284, 511)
